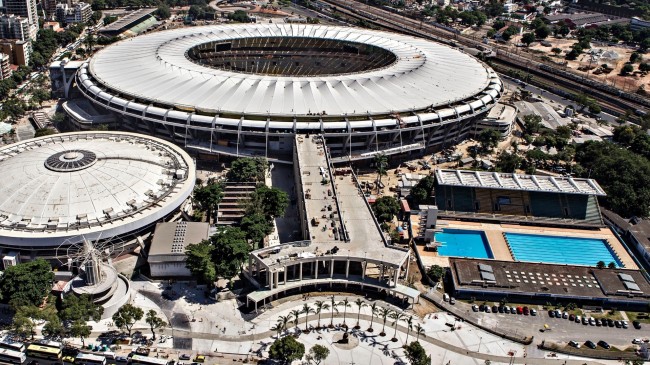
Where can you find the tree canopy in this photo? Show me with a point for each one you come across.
(246, 169)
(318, 353)
(416, 354)
(421, 192)
(286, 349)
(80, 308)
(126, 316)
(385, 208)
(27, 283)
(154, 322)
(207, 197)
(220, 256)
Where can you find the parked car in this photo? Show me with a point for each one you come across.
(590, 344)
(488, 309)
(199, 358)
(526, 311)
(574, 344)
(551, 314)
(585, 321)
(577, 320)
(572, 317)
(513, 310)
(121, 359)
(618, 324)
(520, 310)
(598, 323)
(68, 359)
(604, 344)
(452, 300)
(495, 309)
(184, 357)
(637, 341)
(506, 309)
(533, 312)
(636, 324)
(625, 324)
(565, 315)
(445, 297)
(592, 321)
(501, 309)
(475, 308)
(610, 322)
(481, 307)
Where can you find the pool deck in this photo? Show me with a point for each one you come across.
(501, 251)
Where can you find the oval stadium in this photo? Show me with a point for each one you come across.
(94, 185)
(249, 89)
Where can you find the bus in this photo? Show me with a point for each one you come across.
(13, 357)
(44, 352)
(146, 360)
(12, 345)
(89, 359)
(53, 344)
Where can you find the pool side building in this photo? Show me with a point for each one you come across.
(527, 199)
(522, 282)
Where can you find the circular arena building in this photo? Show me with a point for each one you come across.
(248, 89)
(97, 186)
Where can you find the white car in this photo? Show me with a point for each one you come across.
(637, 341)
(445, 297)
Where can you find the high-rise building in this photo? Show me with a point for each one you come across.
(25, 9)
(14, 27)
(19, 51)
(80, 13)
(5, 71)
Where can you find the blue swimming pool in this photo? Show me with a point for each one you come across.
(560, 250)
(463, 243)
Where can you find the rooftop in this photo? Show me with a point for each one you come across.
(549, 279)
(171, 238)
(127, 19)
(508, 181)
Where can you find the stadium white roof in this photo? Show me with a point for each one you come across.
(88, 183)
(155, 68)
(496, 180)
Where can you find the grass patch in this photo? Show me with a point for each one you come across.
(642, 317)
(616, 316)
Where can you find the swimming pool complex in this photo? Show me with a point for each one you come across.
(560, 250)
(463, 243)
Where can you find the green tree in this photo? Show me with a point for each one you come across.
(286, 349)
(81, 308)
(22, 324)
(345, 303)
(306, 310)
(488, 139)
(231, 251)
(600, 264)
(127, 316)
(239, 16)
(396, 317)
(508, 162)
(320, 307)
(542, 32)
(416, 354)
(360, 304)
(81, 329)
(54, 328)
(528, 38)
(627, 69)
(381, 166)
(40, 95)
(272, 201)
(256, 226)
(246, 169)
(594, 108)
(384, 313)
(154, 322)
(318, 353)
(421, 192)
(90, 42)
(436, 273)
(385, 208)
(611, 265)
(163, 11)
(199, 261)
(27, 283)
(556, 50)
(208, 197)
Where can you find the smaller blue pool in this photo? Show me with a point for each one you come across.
(560, 250)
(463, 243)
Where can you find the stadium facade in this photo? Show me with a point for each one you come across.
(95, 186)
(250, 89)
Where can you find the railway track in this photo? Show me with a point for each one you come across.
(607, 96)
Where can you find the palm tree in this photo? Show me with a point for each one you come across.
(278, 328)
(295, 314)
(306, 309)
(384, 313)
(284, 320)
(420, 331)
(320, 306)
(334, 307)
(346, 304)
(409, 323)
(381, 163)
(373, 313)
(396, 317)
(360, 304)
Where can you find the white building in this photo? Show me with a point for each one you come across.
(80, 13)
(14, 27)
(167, 251)
(25, 9)
(5, 71)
